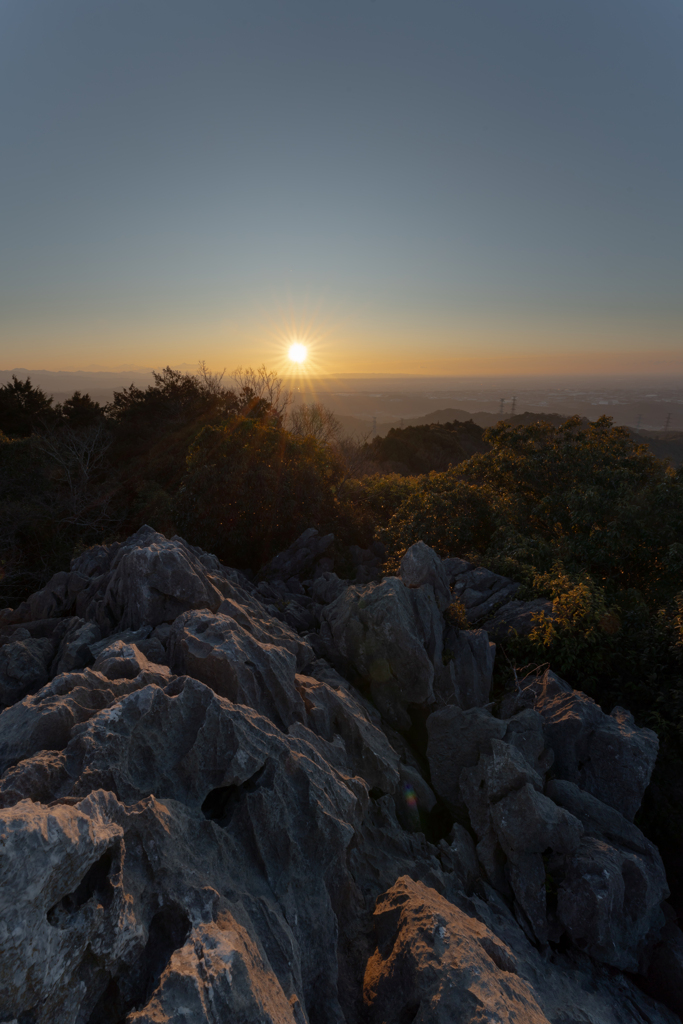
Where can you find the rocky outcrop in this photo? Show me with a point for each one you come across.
(479, 589)
(607, 755)
(209, 812)
(442, 961)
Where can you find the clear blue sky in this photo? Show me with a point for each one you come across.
(414, 184)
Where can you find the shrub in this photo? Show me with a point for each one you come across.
(251, 488)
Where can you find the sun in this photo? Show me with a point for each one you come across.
(297, 352)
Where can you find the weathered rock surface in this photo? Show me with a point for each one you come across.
(607, 755)
(199, 812)
(421, 565)
(518, 617)
(299, 557)
(469, 656)
(389, 635)
(393, 636)
(23, 667)
(479, 589)
(435, 962)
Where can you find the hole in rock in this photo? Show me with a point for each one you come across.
(95, 882)
(436, 824)
(134, 986)
(221, 803)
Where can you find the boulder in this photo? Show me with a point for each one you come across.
(442, 962)
(179, 849)
(300, 557)
(469, 656)
(515, 824)
(481, 590)
(120, 660)
(75, 649)
(605, 755)
(327, 588)
(387, 634)
(436, 964)
(517, 617)
(421, 565)
(23, 667)
(610, 891)
(44, 721)
(237, 665)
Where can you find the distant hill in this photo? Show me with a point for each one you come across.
(406, 450)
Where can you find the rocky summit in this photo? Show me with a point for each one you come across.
(293, 800)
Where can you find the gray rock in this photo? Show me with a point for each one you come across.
(58, 597)
(223, 654)
(605, 755)
(437, 962)
(432, 957)
(151, 580)
(517, 617)
(384, 632)
(352, 741)
(609, 904)
(469, 656)
(516, 824)
(526, 821)
(456, 739)
(299, 557)
(126, 636)
(41, 778)
(44, 721)
(454, 568)
(412, 796)
(168, 854)
(120, 660)
(421, 565)
(23, 667)
(327, 588)
(612, 888)
(75, 649)
(481, 590)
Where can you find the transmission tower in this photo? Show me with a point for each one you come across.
(514, 405)
(502, 406)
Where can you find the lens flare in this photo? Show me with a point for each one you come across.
(297, 352)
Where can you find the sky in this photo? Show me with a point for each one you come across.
(405, 186)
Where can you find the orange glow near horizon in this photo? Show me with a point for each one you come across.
(338, 345)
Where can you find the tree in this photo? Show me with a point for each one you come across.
(80, 411)
(261, 393)
(79, 456)
(316, 421)
(23, 407)
(251, 488)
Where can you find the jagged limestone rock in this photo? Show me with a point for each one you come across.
(172, 853)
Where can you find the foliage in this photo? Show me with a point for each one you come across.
(427, 447)
(382, 495)
(597, 500)
(80, 411)
(251, 488)
(23, 407)
(450, 515)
